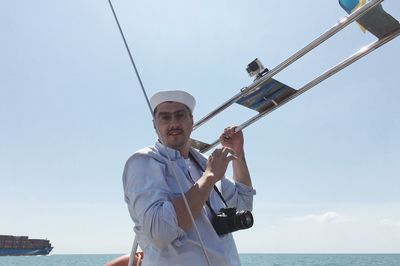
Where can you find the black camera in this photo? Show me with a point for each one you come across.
(229, 220)
(256, 68)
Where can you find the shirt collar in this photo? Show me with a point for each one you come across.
(176, 155)
(168, 152)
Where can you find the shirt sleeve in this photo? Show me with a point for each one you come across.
(237, 194)
(149, 201)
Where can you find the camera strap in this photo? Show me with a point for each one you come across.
(215, 187)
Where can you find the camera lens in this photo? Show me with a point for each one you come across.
(253, 66)
(243, 220)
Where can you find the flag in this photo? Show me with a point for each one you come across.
(352, 5)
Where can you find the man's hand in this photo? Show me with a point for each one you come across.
(218, 162)
(233, 140)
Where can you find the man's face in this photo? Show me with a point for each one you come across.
(174, 122)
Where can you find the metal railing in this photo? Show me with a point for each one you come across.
(316, 42)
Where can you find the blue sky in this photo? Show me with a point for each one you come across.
(325, 166)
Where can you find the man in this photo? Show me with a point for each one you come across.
(162, 223)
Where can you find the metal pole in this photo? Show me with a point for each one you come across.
(259, 82)
(133, 251)
(348, 61)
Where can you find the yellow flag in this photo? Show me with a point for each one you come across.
(360, 4)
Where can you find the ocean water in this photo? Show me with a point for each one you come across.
(246, 260)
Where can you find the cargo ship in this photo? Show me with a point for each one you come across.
(23, 246)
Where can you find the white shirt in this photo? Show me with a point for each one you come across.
(150, 185)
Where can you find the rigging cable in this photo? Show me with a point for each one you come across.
(158, 133)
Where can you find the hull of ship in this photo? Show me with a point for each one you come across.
(24, 252)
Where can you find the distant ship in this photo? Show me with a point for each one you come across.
(23, 246)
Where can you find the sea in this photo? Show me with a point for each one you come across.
(246, 260)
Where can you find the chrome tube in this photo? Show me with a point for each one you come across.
(330, 72)
(259, 82)
(133, 251)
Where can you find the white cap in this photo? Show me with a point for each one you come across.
(172, 96)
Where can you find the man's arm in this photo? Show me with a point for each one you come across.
(200, 191)
(235, 141)
(241, 173)
(196, 198)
